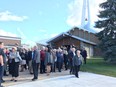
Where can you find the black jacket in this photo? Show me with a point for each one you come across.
(29, 55)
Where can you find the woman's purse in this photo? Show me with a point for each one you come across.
(23, 62)
(18, 57)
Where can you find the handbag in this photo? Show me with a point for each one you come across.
(23, 62)
(20, 60)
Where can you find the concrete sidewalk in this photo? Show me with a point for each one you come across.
(85, 80)
(25, 77)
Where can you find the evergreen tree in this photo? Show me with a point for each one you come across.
(107, 36)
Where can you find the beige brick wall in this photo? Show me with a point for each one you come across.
(10, 41)
(84, 34)
(67, 41)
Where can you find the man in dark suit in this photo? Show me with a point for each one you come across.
(71, 54)
(35, 62)
(84, 55)
(1, 62)
(30, 61)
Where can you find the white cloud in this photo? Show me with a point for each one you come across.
(42, 30)
(23, 36)
(75, 12)
(53, 35)
(25, 39)
(8, 16)
(44, 41)
(5, 33)
(30, 43)
(46, 37)
(50, 35)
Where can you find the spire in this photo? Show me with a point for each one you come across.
(85, 19)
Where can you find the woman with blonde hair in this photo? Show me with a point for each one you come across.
(15, 59)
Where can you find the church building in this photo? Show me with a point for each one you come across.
(81, 37)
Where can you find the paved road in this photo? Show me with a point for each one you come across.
(65, 80)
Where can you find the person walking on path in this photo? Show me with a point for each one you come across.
(77, 62)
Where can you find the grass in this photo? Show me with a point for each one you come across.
(99, 66)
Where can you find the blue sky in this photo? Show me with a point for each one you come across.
(37, 20)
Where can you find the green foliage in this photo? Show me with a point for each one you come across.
(107, 36)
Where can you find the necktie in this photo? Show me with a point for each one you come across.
(32, 55)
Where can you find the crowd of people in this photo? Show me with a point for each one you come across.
(37, 61)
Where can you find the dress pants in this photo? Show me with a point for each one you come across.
(85, 60)
(59, 66)
(30, 67)
(35, 69)
(72, 70)
(42, 67)
(77, 69)
(53, 67)
(1, 69)
(5, 68)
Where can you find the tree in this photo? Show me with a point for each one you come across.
(107, 36)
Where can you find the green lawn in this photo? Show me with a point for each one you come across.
(99, 66)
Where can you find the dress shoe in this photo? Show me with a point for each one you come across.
(34, 79)
(12, 80)
(15, 80)
(31, 73)
(77, 76)
(70, 72)
(2, 81)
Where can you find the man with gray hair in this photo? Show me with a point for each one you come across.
(35, 62)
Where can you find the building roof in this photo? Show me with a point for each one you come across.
(54, 38)
(80, 28)
(9, 37)
(62, 35)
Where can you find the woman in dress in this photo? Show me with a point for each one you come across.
(15, 59)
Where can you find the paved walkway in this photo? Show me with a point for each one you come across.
(65, 80)
(26, 77)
